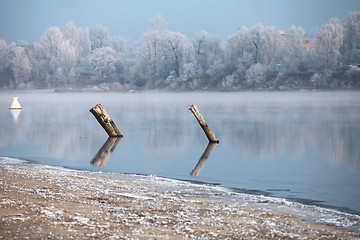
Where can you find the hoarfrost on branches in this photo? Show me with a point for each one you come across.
(258, 57)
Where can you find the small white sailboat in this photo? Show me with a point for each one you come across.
(15, 104)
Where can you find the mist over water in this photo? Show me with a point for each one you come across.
(303, 146)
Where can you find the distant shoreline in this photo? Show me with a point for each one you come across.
(171, 91)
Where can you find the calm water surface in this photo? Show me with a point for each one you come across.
(303, 146)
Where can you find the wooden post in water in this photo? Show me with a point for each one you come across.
(203, 124)
(105, 121)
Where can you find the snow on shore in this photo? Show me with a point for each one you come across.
(39, 202)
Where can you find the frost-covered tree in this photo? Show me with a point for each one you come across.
(270, 45)
(293, 51)
(99, 37)
(257, 75)
(247, 48)
(72, 57)
(104, 62)
(188, 76)
(262, 43)
(5, 64)
(181, 55)
(255, 44)
(10, 54)
(164, 55)
(40, 66)
(3, 51)
(236, 46)
(329, 39)
(351, 43)
(61, 56)
(122, 55)
(21, 67)
(238, 59)
(176, 45)
(207, 51)
(78, 38)
(250, 46)
(153, 52)
(72, 34)
(136, 72)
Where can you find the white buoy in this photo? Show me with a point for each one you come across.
(15, 104)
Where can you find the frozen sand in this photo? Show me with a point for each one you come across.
(41, 202)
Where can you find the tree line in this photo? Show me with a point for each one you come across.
(258, 57)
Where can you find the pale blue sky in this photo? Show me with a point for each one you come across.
(28, 19)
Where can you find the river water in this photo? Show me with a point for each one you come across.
(301, 146)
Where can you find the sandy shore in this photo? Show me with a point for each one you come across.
(39, 202)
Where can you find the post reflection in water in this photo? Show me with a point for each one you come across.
(105, 151)
(208, 150)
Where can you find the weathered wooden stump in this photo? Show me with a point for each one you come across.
(105, 121)
(210, 147)
(203, 124)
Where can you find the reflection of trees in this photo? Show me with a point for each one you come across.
(69, 133)
(162, 131)
(262, 134)
(57, 131)
(340, 142)
(260, 140)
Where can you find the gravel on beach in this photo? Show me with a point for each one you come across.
(43, 202)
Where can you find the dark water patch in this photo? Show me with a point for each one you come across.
(198, 182)
(323, 204)
(278, 190)
(251, 191)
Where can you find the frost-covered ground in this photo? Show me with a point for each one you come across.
(42, 202)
